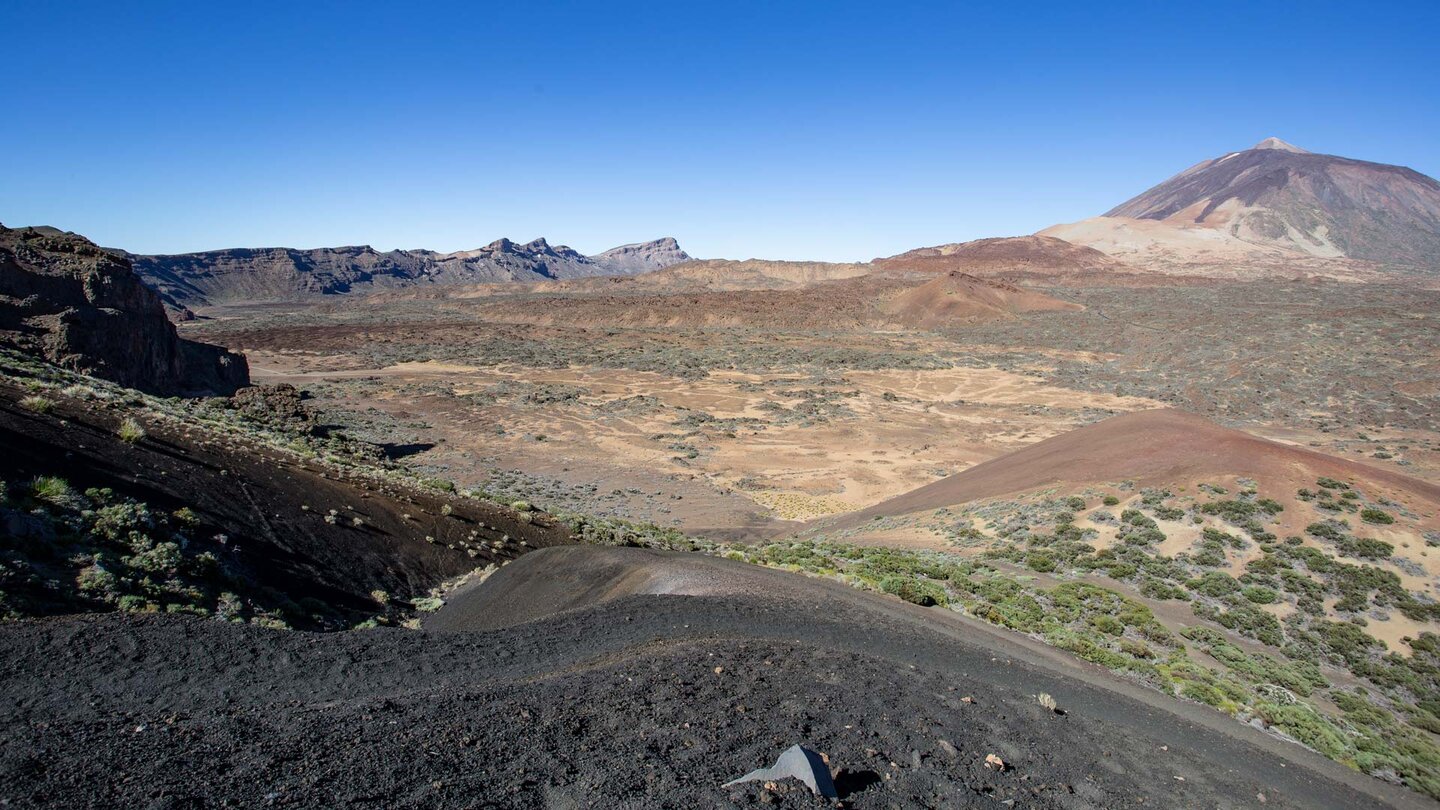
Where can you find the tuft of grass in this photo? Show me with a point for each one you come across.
(53, 490)
(130, 431)
(37, 404)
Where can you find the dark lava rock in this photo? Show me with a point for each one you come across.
(78, 306)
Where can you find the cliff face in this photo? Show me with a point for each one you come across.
(81, 307)
(249, 275)
(643, 257)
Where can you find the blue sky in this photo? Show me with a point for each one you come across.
(836, 131)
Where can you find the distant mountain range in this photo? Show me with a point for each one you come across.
(256, 275)
(1270, 201)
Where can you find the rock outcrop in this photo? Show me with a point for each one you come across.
(79, 306)
(642, 257)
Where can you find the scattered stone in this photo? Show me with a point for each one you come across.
(796, 762)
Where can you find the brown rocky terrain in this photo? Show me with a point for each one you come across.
(794, 301)
(695, 275)
(81, 307)
(956, 298)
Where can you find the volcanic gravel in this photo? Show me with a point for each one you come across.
(638, 701)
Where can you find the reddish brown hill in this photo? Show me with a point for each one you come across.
(1014, 256)
(1153, 448)
(958, 297)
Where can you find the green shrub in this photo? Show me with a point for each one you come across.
(1366, 548)
(1203, 692)
(1107, 624)
(1135, 517)
(1215, 583)
(1270, 506)
(1325, 531)
(1260, 595)
(1372, 515)
(1306, 725)
(1111, 500)
(1158, 589)
(1040, 562)
(1121, 571)
(913, 589)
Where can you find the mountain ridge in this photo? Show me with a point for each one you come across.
(280, 274)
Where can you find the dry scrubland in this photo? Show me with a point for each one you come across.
(1300, 600)
(846, 419)
(1303, 607)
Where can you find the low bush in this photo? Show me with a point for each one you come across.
(1372, 515)
(913, 589)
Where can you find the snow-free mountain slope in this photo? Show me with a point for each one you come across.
(1276, 196)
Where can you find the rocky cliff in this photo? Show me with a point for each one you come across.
(642, 257)
(81, 307)
(251, 275)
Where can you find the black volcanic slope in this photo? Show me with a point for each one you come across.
(1368, 210)
(269, 507)
(627, 698)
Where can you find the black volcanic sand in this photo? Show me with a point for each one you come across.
(638, 700)
(272, 505)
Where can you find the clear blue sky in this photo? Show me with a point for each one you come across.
(827, 130)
